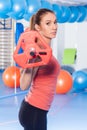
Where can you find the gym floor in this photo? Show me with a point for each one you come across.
(68, 112)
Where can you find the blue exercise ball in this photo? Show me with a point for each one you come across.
(68, 68)
(82, 13)
(46, 4)
(57, 10)
(79, 80)
(5, 7)
(74, 14)
(65, 14)
(86, 12)
(27, 16)
(18, 9)
(84, 70)
(32, 7)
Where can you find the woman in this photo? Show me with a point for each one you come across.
(36, 104)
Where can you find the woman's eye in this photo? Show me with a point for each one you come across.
(48, 23)
(55, 22)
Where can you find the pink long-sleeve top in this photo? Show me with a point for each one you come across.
(42, 90)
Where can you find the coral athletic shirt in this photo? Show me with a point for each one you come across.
(42, 91)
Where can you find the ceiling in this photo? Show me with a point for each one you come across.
(70, 2)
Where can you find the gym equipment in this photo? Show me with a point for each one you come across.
(82, 13)
(6, 43)
(64, 82)
(5, 7)
(68, 68)
(74, 14)
(79, 80)
(69, 56)
(18, 9)
(58, 10)
(32, 48)
(66, 13)
(32, 7)
(46, 4)
(11, 77)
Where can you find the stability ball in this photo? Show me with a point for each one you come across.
(11, 77)
(64, 82)
(32, 7)
(18, 9)
(5, 7)
(66, 13)
(84, 70)
(46, 4)
(82, 13)
(79, 80)
(74, 14)
(58, 10)
(68, 68)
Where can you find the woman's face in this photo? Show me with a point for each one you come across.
(48, 26)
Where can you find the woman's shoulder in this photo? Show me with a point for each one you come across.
(27, 29)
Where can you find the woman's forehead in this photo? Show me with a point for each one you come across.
(48, 16)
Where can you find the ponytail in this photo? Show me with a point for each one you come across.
(32, 23)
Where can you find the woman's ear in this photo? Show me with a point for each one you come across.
(37, 27)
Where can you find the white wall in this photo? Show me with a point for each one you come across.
(73, 35)
(82, 46)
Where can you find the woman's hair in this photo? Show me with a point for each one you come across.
(36, 18)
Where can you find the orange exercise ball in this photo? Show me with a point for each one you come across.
(11, 77)
(64, 82)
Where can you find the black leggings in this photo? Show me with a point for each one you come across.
(32, 118)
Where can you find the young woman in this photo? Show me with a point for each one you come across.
(43, 79)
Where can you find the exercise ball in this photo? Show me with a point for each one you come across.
(79, 80)
(46, 4)
(74, 14)
(82, 13)
(11, 77)
(84, 70)
(18, 9)
(64, 82)
(68, 68)
(66, 12)
(32, 7)
(5, 7)
(57, 10)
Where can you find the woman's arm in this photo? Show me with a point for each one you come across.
(27, 75)
(26, 78)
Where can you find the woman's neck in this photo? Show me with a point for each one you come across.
(47, 40)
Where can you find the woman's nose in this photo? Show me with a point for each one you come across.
(54, 26)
